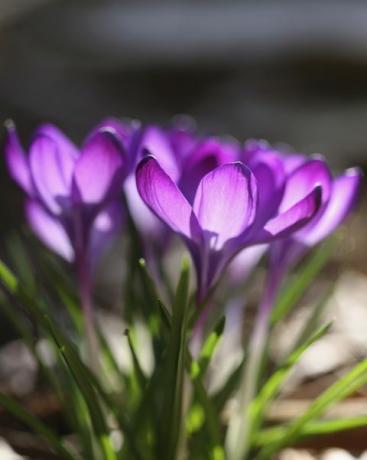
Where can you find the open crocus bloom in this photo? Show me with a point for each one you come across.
(232, 209)
(185, 157)
(338, 198)
(72, 194)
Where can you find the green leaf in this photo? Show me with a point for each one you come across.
(292, 293)
(200, 366)
(345, 386)
(314, 428)
(7, 277)
(37, 426)
(271, 388)
(82, 379)
(141, 378)
(170, 431)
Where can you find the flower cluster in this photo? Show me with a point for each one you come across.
(229, 203)
(218, 196)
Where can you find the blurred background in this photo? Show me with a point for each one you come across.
(290, 71)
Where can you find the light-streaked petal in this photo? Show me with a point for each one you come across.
(269, 171)
(225, 202)
(206, 156)
(303, 180)
(49, 230)
(100, 168)
(162, 196)
(343, 196)
(291, 220)
(156, 141)
(16, 159)
(52, 171)
(146, 221)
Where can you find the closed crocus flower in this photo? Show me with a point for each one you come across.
(232, 209)
(68, 189)
(73, 195)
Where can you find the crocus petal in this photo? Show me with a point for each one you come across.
(64, 144)
(52, 170)
(146, 221)
(16, 160)
(291, 220)
(303, 180)
(99, 169)
(225, 202)
(269, 171)
(156, 142)
(343, 197)
(122, 129)
(49, 230)
(162, 196)
(105, 226)
(206, 156)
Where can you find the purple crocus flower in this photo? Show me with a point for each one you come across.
(73, 195)
(232, 209)
(338, 198)
(300, 174)
(185, 157)
(73, 192)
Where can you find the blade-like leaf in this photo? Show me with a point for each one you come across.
(314, 428)
(297, 285)
(345, 386)
(271, 388)
(169, 434)
(200, 366)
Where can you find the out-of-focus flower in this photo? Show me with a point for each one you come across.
(338, 198)
(233, 208)
(73, 195)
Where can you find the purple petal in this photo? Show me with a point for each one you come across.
(105, 226)
(122, 129)
(225, 202)
(162, 196)
(64, 144)
(16, 160)
(303, 180)
(49, 230)
(52, 170)
(343, 196)
(269, 171)
(156, 142)
(100, 168)
(205, 157)
(146, 221)
(293, 161)
(183, 140)
(291, 220)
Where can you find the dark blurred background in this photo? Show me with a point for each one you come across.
(292, 71)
